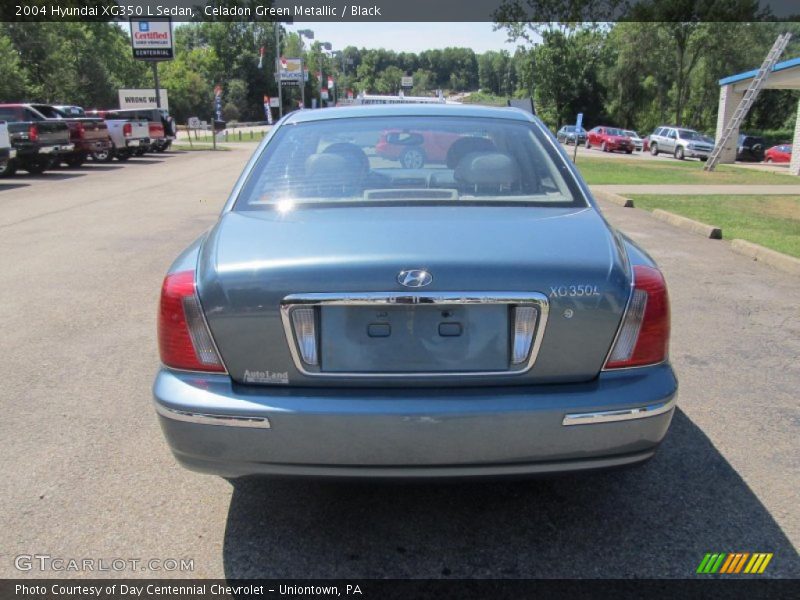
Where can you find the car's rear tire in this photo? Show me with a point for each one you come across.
(703, 158)
(679, 153)
(629, 151)
(36, 166)
(654, 149)
(103, 156)
(8, 169)
(768, 160)
(412, 158)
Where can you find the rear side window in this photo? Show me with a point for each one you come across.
(408, 159)
(10, 114)
(32, 115)
(48, 112)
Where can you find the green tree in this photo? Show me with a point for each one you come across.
(389, 80)
(13, 78)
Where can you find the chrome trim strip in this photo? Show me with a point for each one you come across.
(211, 419)
(625, 414)
(535, 299)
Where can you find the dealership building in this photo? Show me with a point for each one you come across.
(784, 76)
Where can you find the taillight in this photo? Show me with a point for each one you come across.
(184, 340)
(33, 133)
(81, 130)
(643, 338)
(127, 129)
(305, 329)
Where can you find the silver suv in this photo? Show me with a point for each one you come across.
(680, 142)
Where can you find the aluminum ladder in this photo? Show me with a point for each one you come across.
(749, 97)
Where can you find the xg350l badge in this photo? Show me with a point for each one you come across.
(414, 278)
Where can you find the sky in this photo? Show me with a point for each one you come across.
(409, 37)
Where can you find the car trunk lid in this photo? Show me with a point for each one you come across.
(566, 263)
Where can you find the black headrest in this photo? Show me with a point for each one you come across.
(463, 146)
(492, 169)
(332, 175)
(351, 152)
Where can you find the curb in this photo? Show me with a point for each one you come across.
(781, 261)
(613, 198)
(709, 231)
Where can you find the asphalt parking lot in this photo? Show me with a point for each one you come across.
(87, 473)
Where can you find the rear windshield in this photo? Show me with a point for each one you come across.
(688, 134)
(405, 159)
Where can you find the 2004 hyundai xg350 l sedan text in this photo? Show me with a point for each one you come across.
(348, 316)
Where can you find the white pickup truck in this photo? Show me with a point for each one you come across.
(7, 153)
(127, 135)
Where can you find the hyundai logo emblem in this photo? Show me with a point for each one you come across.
(414, 278)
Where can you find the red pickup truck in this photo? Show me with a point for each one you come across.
(88, 135)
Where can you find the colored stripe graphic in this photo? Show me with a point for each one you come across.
(711, 562)
(758, 563)
(728, 563)
(734, 563)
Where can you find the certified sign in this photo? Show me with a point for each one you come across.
(406, 82)
(151, 39)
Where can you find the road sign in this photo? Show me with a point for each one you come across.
(142, 98)
(194, 123)
(291, 70)
(151, 39)
(578, 126)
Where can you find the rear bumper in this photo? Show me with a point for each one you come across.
(89, 146)
(60, 149)
(215, 426)
(616, 146)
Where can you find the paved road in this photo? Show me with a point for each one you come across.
(87, 474)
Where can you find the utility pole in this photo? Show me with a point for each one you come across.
(155, 81)
(278, 67)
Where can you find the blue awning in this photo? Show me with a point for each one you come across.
(787, 64)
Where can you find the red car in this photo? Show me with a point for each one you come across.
(415, 148)
(778, 154)
(609, 139)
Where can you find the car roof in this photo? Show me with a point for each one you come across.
(411, 110)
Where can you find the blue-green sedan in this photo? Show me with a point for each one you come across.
(348, 316)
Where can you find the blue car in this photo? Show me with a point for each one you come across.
(569, 133)
(351, 317)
